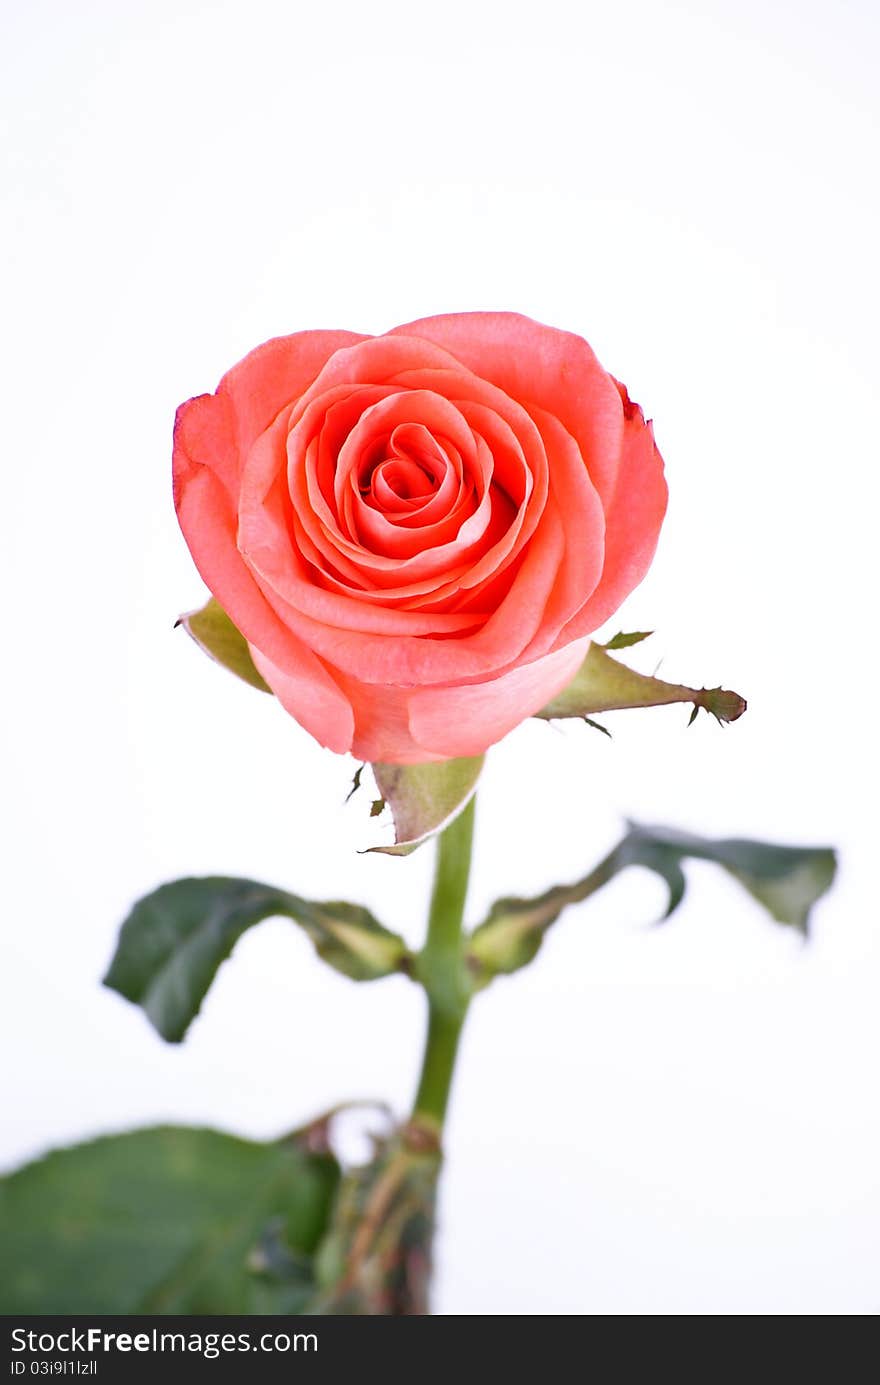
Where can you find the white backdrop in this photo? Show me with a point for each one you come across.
(681, 1120)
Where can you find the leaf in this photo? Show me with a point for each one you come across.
(786, 880)
(174, 940)
(424, 798)
(164, 1220)
(215, 633)
(603, 684)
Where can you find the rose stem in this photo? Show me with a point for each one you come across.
(442, 971)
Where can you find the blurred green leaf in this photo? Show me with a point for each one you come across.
(786, 880)
(165, 1220)
(424, 798)
(174, 940)
(603, 684)
(215, 633)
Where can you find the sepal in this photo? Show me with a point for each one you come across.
(604, 684)
(424, 799)
(223, 642)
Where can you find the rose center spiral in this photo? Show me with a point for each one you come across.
(404, 469)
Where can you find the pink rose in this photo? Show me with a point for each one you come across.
(417, 532)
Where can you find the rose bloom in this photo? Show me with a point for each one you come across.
(416, 533)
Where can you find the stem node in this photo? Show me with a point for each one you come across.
(442, 970)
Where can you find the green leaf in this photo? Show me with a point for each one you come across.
(424, 798)
(174, 940)
(603, 684)
(786, 880)
(215, 633)
(165, 1220)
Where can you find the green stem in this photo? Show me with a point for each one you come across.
(442, 970)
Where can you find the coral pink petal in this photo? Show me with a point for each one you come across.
(274, 374)
(382, 730)
(371, 648)
(583, 522)
(205, 513)
(320, 617)
(541, 365)
(312, 697)
(205, 435)
(448, 722)
(374, 361)
(632, 524)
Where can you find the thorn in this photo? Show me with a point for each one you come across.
(356, 781)
(597, 726)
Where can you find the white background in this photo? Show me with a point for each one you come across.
(671, 1121)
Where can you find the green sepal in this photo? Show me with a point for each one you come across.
(424, 799)
(623, 640)
(215, 633)
(603, 684)
(174, 940)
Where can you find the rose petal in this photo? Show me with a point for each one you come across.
(633, 517)
(207, 516)
(371, 647)
(541, 365)
(374, 361)
(583, 522)
(311, 696)
(448, 722)
(273, 375)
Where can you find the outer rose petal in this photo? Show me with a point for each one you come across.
(276, 373)
(633, 518)
(414, 725)
(323, 708)
(207, 514)
(466, 720)
(306, 690)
